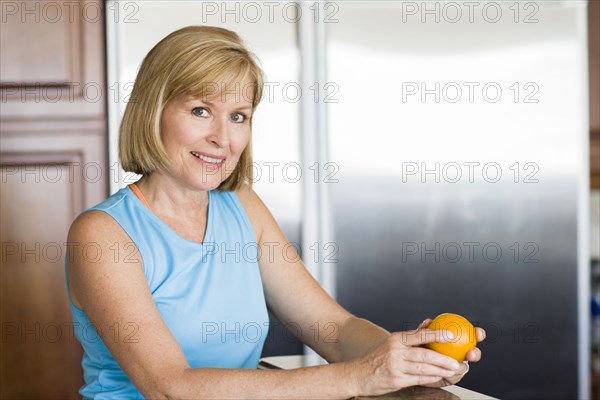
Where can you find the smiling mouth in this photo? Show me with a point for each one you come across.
(209, 160)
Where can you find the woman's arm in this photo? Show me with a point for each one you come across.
(312, 315)
(357, 338)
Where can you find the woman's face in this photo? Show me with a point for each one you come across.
(205, 137)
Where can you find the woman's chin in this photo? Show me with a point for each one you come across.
(210, 183)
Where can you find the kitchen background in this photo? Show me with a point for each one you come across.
(423, 157)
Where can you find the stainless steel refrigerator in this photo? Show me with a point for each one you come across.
(460, 137)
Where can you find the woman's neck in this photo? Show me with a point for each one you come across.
(167, 196)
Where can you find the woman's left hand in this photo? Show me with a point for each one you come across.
(472, 356)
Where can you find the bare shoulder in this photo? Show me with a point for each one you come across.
(246, 194)
(95, 231)
(257, 211)
(94, 224)
(96, 246)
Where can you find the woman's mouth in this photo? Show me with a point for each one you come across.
(216, 162)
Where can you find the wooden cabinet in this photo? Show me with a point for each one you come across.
(53, 165)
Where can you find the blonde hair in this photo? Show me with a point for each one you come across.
(196, 60)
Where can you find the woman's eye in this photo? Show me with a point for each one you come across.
(200, 111)
(238, 117)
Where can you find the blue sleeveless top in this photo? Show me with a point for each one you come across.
(209, 295)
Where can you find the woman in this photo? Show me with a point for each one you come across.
(175, 273)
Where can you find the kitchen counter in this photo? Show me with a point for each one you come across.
(415, 393)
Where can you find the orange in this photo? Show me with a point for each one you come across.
(464, 336)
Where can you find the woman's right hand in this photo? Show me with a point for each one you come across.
(399, 362)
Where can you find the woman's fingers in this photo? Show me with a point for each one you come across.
(417, 368)
(474, 355)
(429, 357)
(480, 333)
(425, 323)
(424, 336)
(464, 368)
(462, 371)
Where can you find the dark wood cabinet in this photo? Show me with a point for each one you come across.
(53, 165)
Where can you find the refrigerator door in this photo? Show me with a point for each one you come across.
(459, 137)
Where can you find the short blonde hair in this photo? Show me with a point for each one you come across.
(195, 60)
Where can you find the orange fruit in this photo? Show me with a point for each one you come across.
(464, 336)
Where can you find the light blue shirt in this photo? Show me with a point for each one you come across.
(209, 295)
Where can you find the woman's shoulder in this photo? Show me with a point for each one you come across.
(250, 200)
(97, 221)
(93, 259)
(245, 193)
(97, 215)
(95, 225)
(257, 212)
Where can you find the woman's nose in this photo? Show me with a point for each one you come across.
(220, 132)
